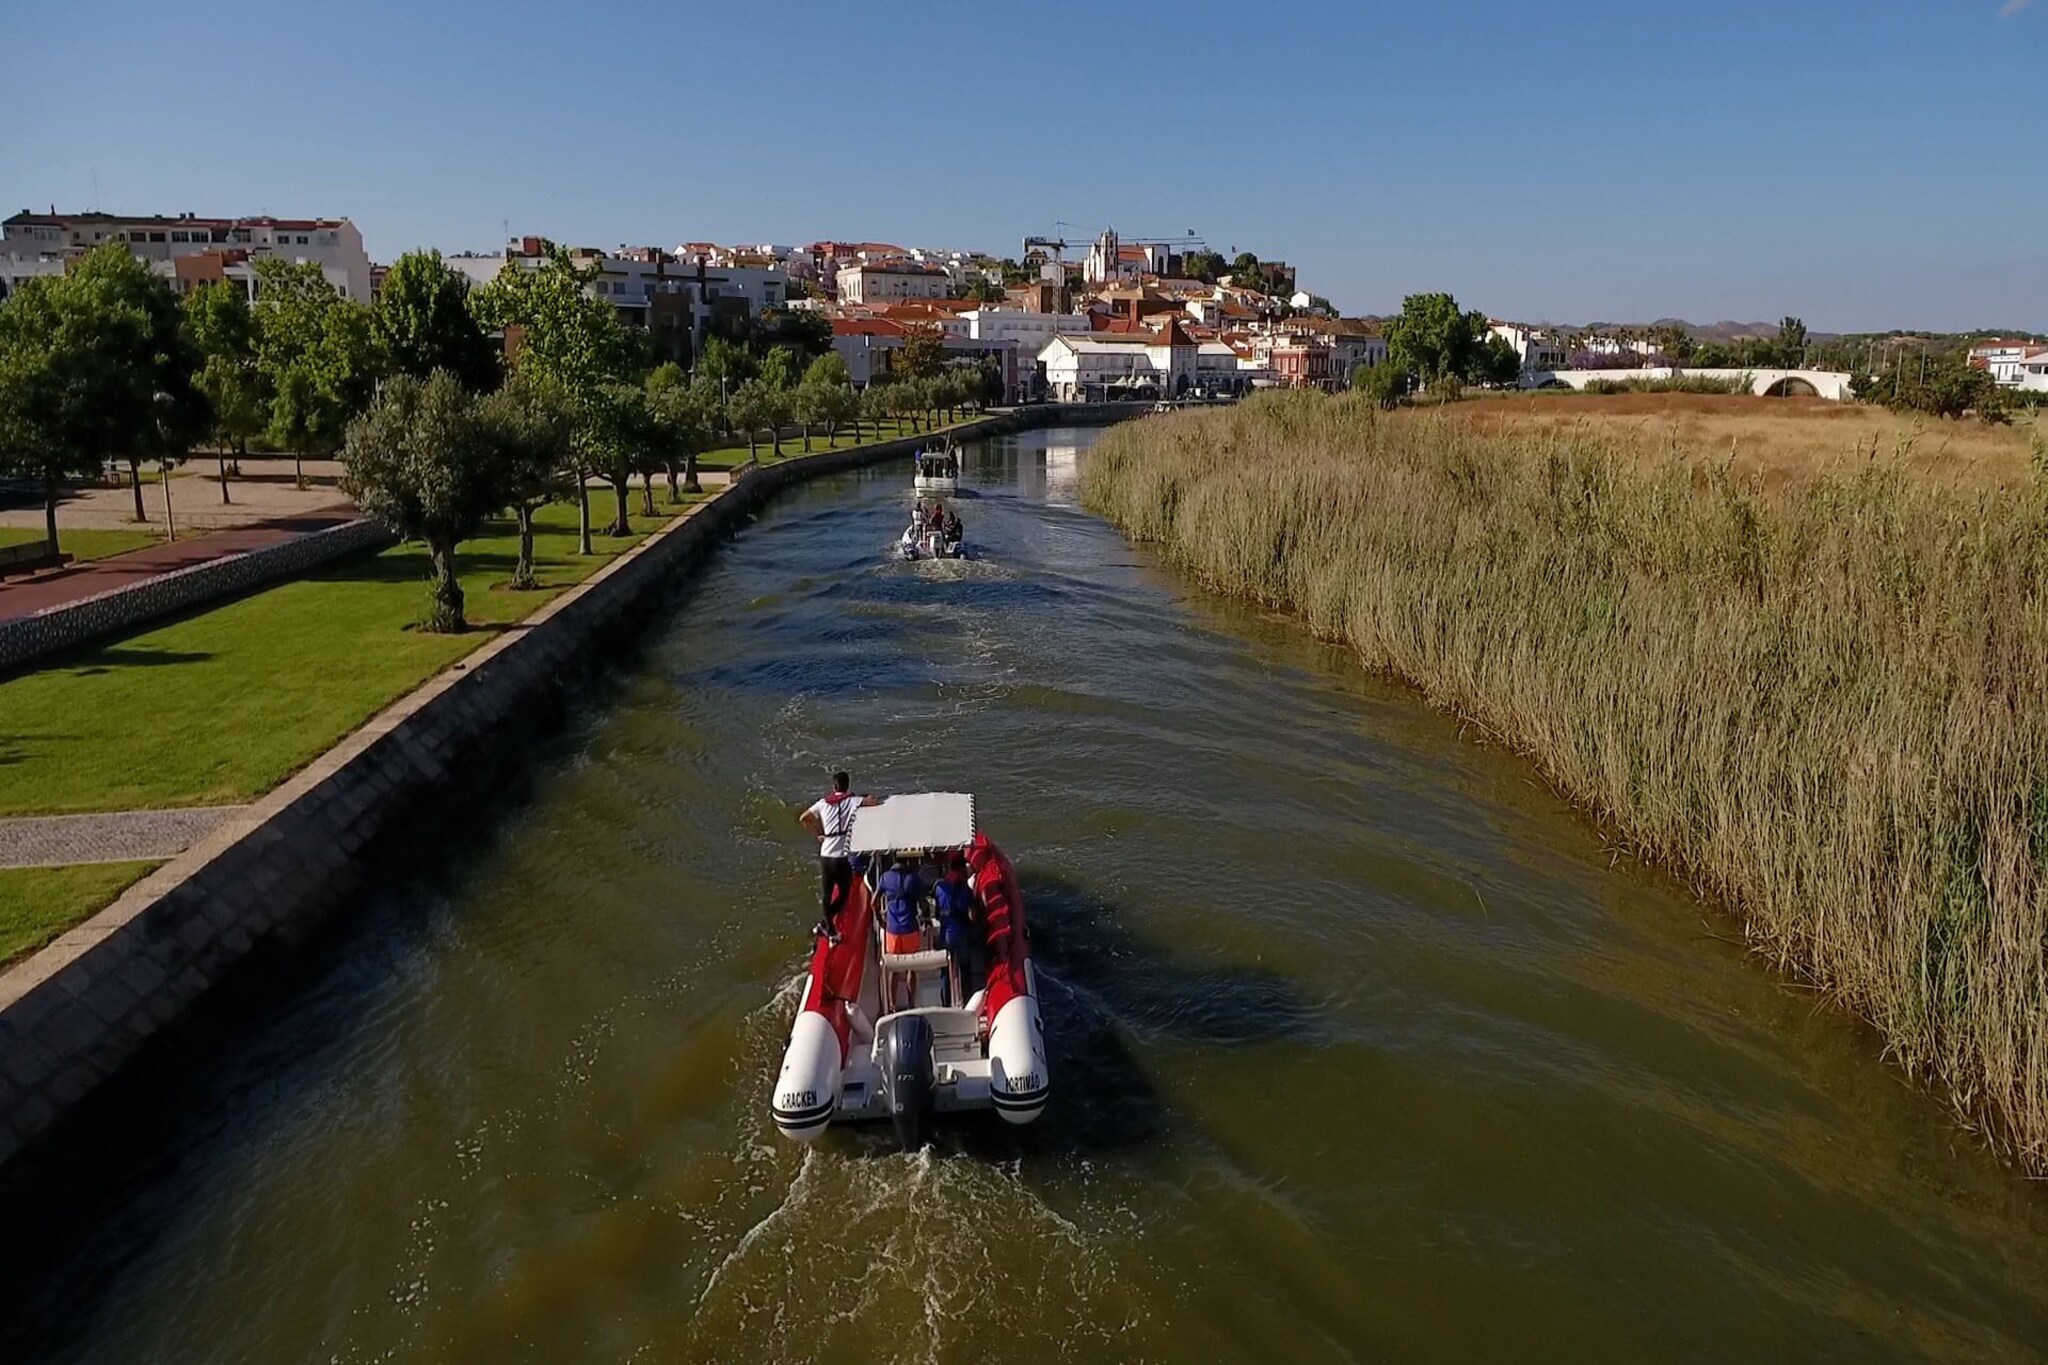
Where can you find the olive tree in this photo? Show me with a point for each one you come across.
(419, 460)
(617, 437)
(681, 415)
(528, 425)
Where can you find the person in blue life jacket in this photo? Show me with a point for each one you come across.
(954, 899)
(901, 932)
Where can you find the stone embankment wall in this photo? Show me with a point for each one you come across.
(27, 638)
(74, 1014)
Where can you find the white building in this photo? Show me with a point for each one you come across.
(892, 281)
(1030, 330)
(1102, 365)
(1539, 349)
(650, 287)
(2028, 373)
(2009, 362)
(34, 244)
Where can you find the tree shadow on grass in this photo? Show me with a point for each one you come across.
(121, 656)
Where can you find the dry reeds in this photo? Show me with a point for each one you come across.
(1825, 706)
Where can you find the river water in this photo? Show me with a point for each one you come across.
(1363, 1047)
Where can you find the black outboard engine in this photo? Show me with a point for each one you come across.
(907, 1076)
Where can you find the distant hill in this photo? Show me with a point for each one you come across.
(1698, 331)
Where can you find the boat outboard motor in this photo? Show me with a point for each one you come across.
(906, 1057)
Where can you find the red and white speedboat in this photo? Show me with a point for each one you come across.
(852, 1057)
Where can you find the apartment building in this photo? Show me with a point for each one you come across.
(186, 248)
(892, 280)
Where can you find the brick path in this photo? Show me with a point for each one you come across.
(113, 837)
(58, 587)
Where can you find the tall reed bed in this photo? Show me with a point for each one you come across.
(1827, 707)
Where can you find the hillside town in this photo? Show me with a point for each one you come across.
(1126, 319)
(1123, 321)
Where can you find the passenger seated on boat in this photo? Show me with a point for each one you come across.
(953, 897)
(900, 892)
(902, 932)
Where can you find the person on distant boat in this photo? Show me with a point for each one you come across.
(953, 898)
(830, 818)
(901, 932)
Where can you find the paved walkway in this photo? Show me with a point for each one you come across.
(59, 587)
(115, 837)
(266, 488)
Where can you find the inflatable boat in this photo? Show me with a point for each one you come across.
(927, 543)
(880, 1034)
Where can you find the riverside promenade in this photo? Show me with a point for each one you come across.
(74, 583)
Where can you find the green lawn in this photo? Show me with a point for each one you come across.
(224, 704)
(84, 542)
(39, 903)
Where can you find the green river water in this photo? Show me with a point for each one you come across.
(1363, 1047)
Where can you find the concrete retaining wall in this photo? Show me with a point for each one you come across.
(74, 1014)
(26, 638)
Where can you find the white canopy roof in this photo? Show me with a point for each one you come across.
(916, 820)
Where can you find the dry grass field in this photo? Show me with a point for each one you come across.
(1779, 440)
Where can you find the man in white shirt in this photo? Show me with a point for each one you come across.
(831, 819)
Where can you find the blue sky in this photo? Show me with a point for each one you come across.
(1869, 164)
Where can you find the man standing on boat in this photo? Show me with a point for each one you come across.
(830, 818)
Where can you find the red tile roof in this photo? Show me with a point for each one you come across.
(872, 327)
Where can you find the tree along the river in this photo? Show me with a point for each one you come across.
(922, 354)
(419, 461)
(1434, 341)
(725, 364)
(780, 368)
(618, 436)
(319, 357)
(571, 337)
(811, 405)
(223, 327)
(682, 420)
(93, 366)
(877, 405)
(828, 369)
(424, 320)
(528, 426)
(988, 377)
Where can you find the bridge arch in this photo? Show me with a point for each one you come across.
(1790, 386)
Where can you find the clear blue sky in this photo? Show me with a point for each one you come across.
(1862, 163)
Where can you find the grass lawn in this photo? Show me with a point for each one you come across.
(85, 542)
(224, 704)
(39, 903)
